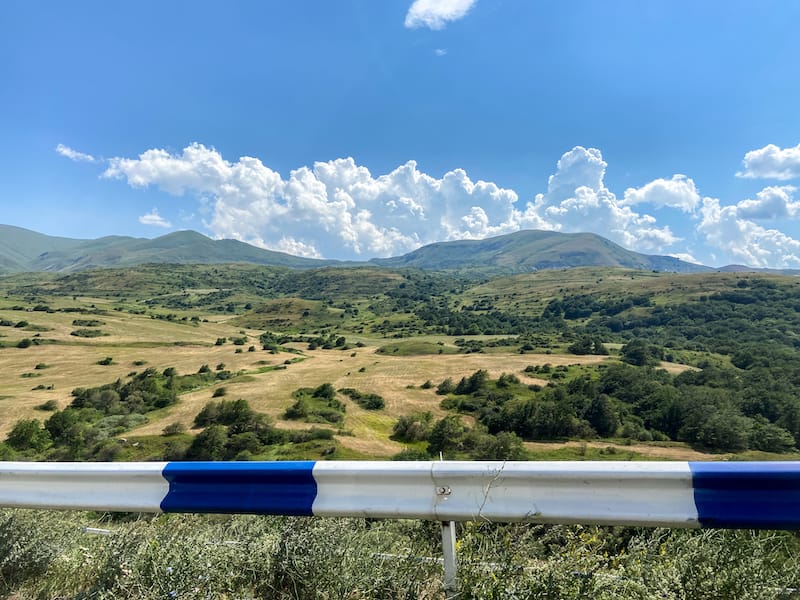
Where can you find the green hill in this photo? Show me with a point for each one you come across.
(25, 250)
(531, 250)
(520, 252)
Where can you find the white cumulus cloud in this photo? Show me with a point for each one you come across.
(339, 209)
(686, 257)
(678, 192)
(774, 202)
(577, 200)
(745, 241)
(333, 209)
(772, 162)
(153, 218)
(436, 14)
(72, 154)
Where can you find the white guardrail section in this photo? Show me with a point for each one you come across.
(672, 494)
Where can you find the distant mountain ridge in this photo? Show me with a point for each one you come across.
(532, 250)
(25, 250)
(523, 251)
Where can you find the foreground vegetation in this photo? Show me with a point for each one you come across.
(49, 555)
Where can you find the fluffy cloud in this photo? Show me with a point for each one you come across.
(436, 14)
(153, 218)
(339, 209)
(744, 240)
(577, 200)
(334, 209)
(678, 192)
(772, 162)
(686, 257)
(71, 154)
(774, 202)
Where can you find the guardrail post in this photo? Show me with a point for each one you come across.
(450, 584)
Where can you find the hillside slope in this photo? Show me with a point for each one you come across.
(519, 252)
(25, 250)
(533, 250)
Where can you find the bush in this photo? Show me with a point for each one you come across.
(174, 429)
(446, 387)
(28, 434)
(106, 361)
(325, 391)
(24, 343)
(365, 401)
(415, 427)
(87, 333)
(50, 405)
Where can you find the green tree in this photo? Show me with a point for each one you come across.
(601, 416)
(209, 444)
(415, 427)
(28, 434)
(447, 435)
(324, 391)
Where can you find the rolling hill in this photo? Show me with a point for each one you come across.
(25, 250)
(519, 252)
(533, 250)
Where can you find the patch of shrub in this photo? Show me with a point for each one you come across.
(50, 405)
(365, 401)
(87, 323)
(87, 333)
(173, 429)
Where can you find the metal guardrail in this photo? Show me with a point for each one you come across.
(757, 495)
(672, 494)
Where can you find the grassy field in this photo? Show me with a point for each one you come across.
(139, 319)
(71, 362)
(135, 342)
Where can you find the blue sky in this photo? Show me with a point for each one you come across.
(362, 128)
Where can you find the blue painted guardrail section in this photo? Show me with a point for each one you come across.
(743, 495)
(276, 488)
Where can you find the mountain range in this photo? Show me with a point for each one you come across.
(523, 251)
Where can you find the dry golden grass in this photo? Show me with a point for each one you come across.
(388, 376)
(72, 362)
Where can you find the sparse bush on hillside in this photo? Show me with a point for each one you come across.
(365, 401)
(87, 323)
(87, 333)
(174, 428)
(318, 405)
(446, 387)
(415, 427)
